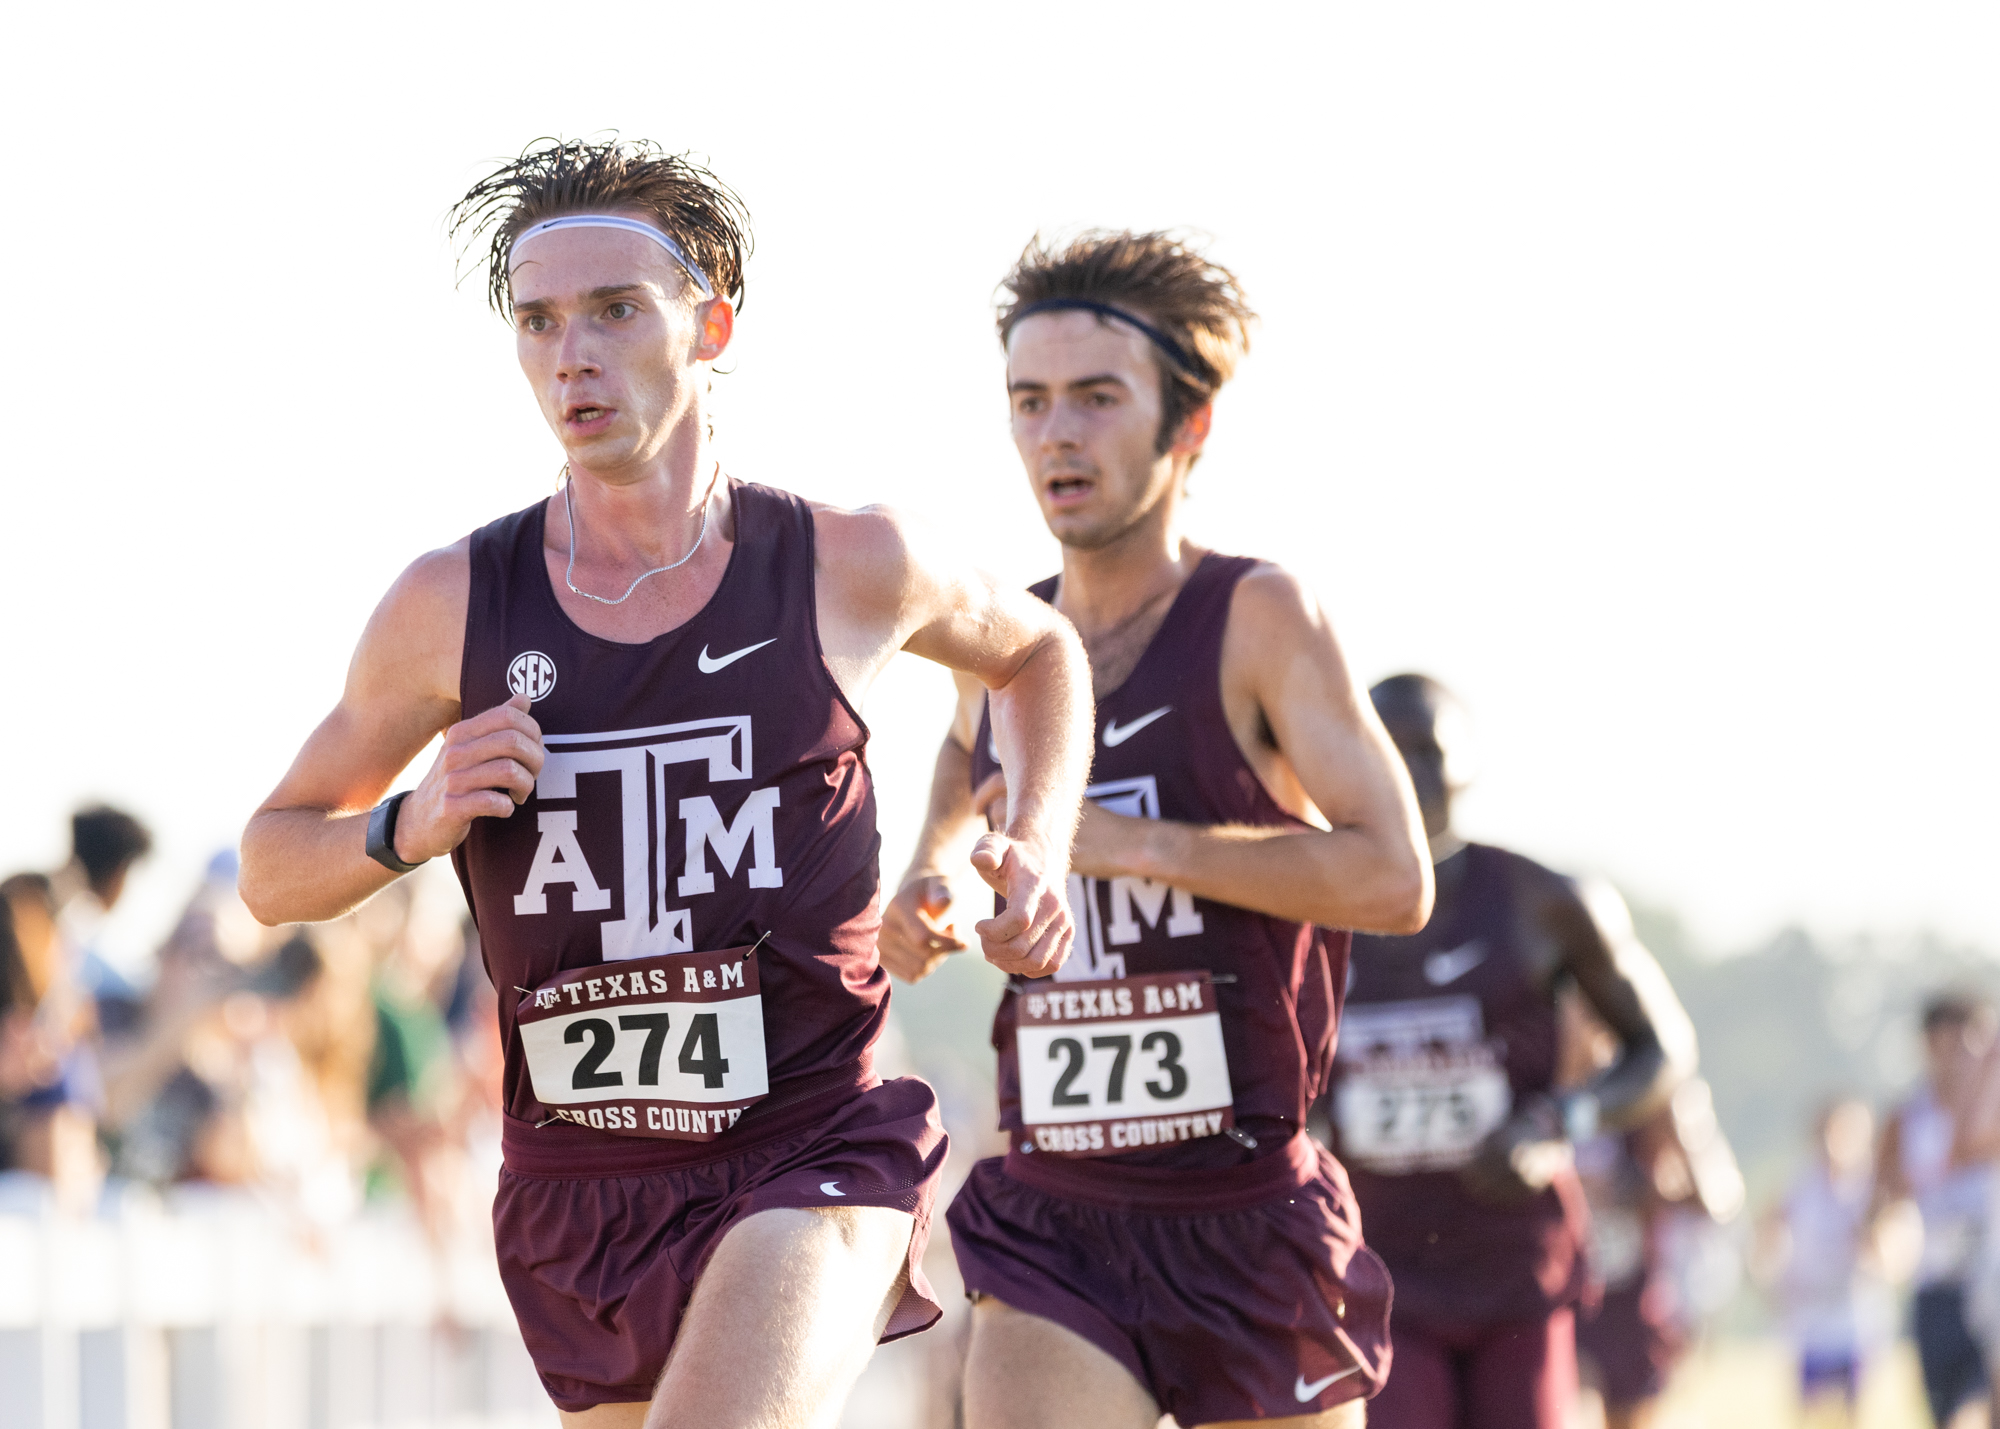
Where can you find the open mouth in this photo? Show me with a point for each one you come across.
(585, 415)
(1063, 487)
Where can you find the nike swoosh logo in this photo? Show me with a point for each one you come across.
(831, 1188)
(1441, 968)
(1114, 736)
(1303, 1391)
(709, 667)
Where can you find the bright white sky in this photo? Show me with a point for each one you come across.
(1630, 369)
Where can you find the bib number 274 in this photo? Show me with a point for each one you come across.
(668, 1046)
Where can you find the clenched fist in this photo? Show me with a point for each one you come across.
(488, 767)
(914, 937)
(1033, 936)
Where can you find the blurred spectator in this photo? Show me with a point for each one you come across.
(244, 1066)
(52, 1089)
(1916, 1165)
(104, 845)
(1817, 1257)
(420, 1101)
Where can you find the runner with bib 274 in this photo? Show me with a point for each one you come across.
(1162, 1235)
(654, 787)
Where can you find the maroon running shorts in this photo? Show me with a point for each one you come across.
(1633, 1342)
(1519, 1374)
(600, 1249)
(1234, 1294)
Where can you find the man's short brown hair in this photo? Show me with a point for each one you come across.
(553, 177)
(1160, 277)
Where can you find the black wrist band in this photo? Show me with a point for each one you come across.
(382, 834)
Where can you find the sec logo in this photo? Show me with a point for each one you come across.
(532, 674)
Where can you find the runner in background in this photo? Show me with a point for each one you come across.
(653, 786)
(1976, 1149)
(1816, 1257)
(1162, 1234)
(1951, 1194)
(1658, 1195)
(1446, 1111)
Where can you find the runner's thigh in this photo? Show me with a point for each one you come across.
(1523, 1375)
(785, 1316)
(1024, 1372)
(1422, 1391)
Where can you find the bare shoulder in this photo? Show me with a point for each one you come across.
(435, 580)
(861, 535)
(1280, 640)
(1268, 590)
(876, 557)
(416, 637)
(1561, 898)
(1273, 610)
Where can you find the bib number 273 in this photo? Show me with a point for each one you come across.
(1122, 1064)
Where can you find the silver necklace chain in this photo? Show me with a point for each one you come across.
(569, 571)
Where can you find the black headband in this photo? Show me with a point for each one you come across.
(1175, 353)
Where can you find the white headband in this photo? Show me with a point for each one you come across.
(630, 225)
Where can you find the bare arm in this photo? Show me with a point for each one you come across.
(1624, 984)
(1592, 940)
(1975, 1124)
(887, 587)
(915, 938)
(1284, 674)
(304, 851)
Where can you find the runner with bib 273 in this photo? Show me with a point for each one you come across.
(1162, 1235)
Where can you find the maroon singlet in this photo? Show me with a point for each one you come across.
(1444, 1032)
(1165, 751)
(702, 790)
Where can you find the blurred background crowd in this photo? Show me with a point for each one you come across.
(314, 1070)
(1825, 1186)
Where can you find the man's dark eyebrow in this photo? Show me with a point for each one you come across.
(610, 290)
(1099, 380)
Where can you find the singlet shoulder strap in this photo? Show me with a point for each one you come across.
(503, 553)
(774, 553)
(775, 570)
(1200, 613)
(1190, 638)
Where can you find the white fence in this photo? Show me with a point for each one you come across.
(209, 1312)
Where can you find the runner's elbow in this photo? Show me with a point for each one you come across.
(1401, 897)
(261, 893)
(261, 883)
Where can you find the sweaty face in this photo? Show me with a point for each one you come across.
(609, 332)
(1085, 396)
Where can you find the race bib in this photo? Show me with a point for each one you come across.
(1424, 1113)
(1122, 1064)
(667, 1046)
(1420, 1086)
